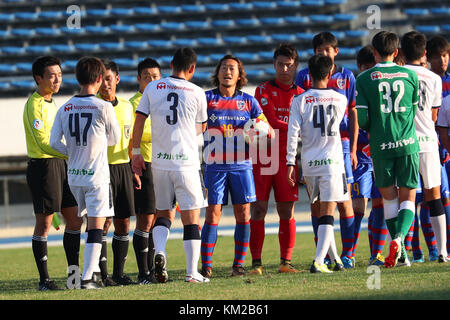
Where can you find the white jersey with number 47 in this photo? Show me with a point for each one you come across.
(315, 115)
(430, 97)
(89, 126)
(175, 105)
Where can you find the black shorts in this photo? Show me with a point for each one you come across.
(122, 190)
(144, 199)
(47, 180)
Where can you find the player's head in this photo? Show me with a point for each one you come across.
(413, 45)
(325, 43)
(148, 71)
(400, 58)
(230, 73)
(320, 67)
(89, 72)
(285, 62)
(385, 46)
(438, 50)
(111, 79)
(365, 59)
(184, 61)
(47, 74)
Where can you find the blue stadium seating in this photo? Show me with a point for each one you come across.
(288, 4)
(283, 37)
(51, 15)
(247, 22)
(97, 29)
(4, 86)
(267, 5)
(172, 26)
(23, 84)
(169, 9)
(122, 28)
(321, 18)
(24, 66)
(87, 47)
(147, 27)
(62, 48)
(114, 46)
(13, 50)
(216, 6)
(23, 32)
(296, 19)
(205, 41)
(98, 13)
(159, 44)
(37, 50)
(233, 40)
(254, 73)
(241, 6)
(197, 25)
(258, 39)
(135, 45)
(192, 8)
(145, 11)
(48, 31)
(184, 42)
(313, 3)
(272, 21)
(8, 68)
(26, 16)
(6, 17)
(126, 63)
(223, 23)
(121, 12)
(428, 29)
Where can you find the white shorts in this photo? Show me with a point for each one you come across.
(185, 187)
(327, 188)
(95, 201)
(430, 169)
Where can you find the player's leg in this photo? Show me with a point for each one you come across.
(103, 263)
(445, 196)
(378, 229)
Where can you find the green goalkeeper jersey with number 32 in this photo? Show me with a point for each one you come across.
(386, 99)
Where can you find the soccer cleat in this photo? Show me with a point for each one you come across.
(48, 285)
(286, 267)
(338, 265)
(146, 279)
(206, 272)
(109, 282)
(349, 263)
(433, 256)
(327, 261)
(418, 259)
(90, 284)
(443, 258)
(257, 269)
(395, 248)
(124, 280)
(198, 278)
(160, 268)
(322, 268)
(403, 261)
(376, 261)
(238, 270)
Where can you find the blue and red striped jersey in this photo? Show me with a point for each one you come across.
(446, 84)
(225, 147)
(342, 81)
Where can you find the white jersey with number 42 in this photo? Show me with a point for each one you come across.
(175, 106)
(89, 126)
(315, 115)
(430, 97)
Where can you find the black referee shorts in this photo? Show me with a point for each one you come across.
(122, 190)
(144, 199)
(47, 181)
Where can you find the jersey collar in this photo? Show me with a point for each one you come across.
(280, 85)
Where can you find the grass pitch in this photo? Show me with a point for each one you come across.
(430, 280)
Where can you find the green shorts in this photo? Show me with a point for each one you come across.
(400, 171)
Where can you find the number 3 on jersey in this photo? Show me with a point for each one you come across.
(399, 87)
(172, 118)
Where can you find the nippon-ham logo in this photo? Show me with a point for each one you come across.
(68, 107)
(376, 75)
(310, 99)
(161, 85)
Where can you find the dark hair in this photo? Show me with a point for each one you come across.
(88, 69)
(319, 66)
(39, 65)
(365, 56)
(146, 64)
(437, 46)
(385, 43)
(400, 59)
(287, 50)
(414, 45)
(242, 75)
(111, 65)
(324, 38)
(183, 59)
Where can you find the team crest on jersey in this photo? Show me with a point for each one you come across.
(126, 131)
(263, 101)
(161, 85)
(310, 99)
(240, 104)
(37, 124)
(376, 75)
(341, 83)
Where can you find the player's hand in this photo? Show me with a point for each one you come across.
(137, 164)
(291, 176)
(137, 182)
(354, 160)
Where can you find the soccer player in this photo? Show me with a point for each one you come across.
(343, 81)
(275, 97)
(438, 51)
(144, 194)
(315, 116)
(47, 170)
(178, 111)
(430, 92)
(363, 186)
(228, 168)
(121, 179)
(386, 100)
(88, 125)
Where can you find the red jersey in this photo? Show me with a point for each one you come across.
(275, 100)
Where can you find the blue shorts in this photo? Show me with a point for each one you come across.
(239, 183)
(348, 168)
(363, 181)
(445, 188)
(420, 191)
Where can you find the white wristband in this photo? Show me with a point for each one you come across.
(136, 151)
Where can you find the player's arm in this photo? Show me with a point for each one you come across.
(56, 136)
(268, 109)
(137, 160)
(353, 123)
(362, 106)
(443, 123)
(292, 140)
(437, 99)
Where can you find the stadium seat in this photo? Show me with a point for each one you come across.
(192, 8)
(172, 26)
(111, 46)
(296, 20)
(6, 17)
(122, 28)
(283, 37)
(343, 51)
(98, 13)
(247, 56)
(196, 25)
(313, 3)
(445, 27)
(222, 23)
(429, 29)
(249, 22)
(234, 40)
(165, 60)
(339, 34)
(97, 29)
(203, 59)
(169, 9)
(270, 72)
(8, 68)
(184, 42)
(202, 76)
(335, 2)
(356, 33)
(266, 5)
(26, 16)
(48, 31)
(126, 63)
(69, 65)
(215, 57)
(12, 50)
(135, 45)
(159, 43)
(72, 31)
(121, 12)
(51, 15)
(272, 21)
(87, 47)
(288, 4)
(24, 66)
(128, 80)
(70, 82)
(345, 17)
(259, 39)
(62, 48)
(19, 32)
(209, 41)
(23, 84)
(440, 11)
(146, 27)
(217, 7)
(304, 36)
(145, 11)
(321, 18)
(241, 6)
(265, 55)
(254, 73)
(37, 50)
(4, 86)
(4, 34)
(416, 12)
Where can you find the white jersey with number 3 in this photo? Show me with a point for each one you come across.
(430, 97)
(89, 126)
(315, 116)
(175, 105)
